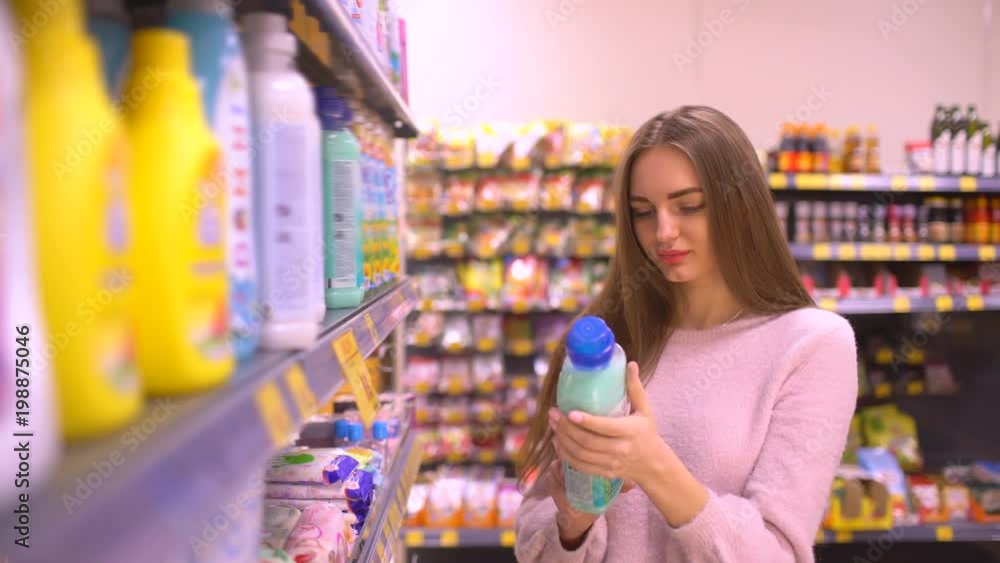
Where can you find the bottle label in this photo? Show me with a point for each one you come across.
(942, 153)
(589, 493)
(346, 178)
(974, 164)
(958, 146)
(291, 252)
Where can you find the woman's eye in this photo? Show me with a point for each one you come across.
(640, 213)
(691, 209)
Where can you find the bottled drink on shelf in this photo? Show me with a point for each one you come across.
(989, 152)
(803, 149)
(854, 151)
(873, 161)
(974, 135)
(957, 216)
(941, 139)
(836, 146)
(820, 150)
(959, 140)
(787, 157)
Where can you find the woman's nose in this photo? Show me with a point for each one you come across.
(666, 228)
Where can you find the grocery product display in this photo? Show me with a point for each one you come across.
(169, 167)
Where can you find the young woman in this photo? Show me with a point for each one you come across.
(741, 390)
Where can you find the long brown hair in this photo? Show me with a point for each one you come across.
(752, 254)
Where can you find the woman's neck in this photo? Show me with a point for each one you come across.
(706, 303)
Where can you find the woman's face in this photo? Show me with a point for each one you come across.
(669, 214)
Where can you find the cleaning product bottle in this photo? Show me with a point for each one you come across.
(288, 186)
(180, 236)
(76, 167)
(341, 203)
(33, 421)
(107, 23)
(217, 60)
(592, 380)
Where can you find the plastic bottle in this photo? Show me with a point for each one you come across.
(341, 203)
(19, 301)
(288, 186)
(592, 380)
(820, 150)
(355, 433)
(873, 161)
(941, 140)
(76, 167)
(989, 152)
(107, 23)
(974, 130)
(959, 138)
(341, 431)
(380, 438)
(180, 237)
(787, 155)
(217, 60)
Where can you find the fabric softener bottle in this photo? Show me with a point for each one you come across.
(592, 380)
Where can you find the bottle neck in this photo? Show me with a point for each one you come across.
(261, 58)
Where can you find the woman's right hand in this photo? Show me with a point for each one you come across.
(573, 524)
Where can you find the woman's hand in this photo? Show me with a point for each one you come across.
(627, 447)
(573, 524)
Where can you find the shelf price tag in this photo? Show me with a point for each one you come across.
(421, 253)
(486, 345)
(987, 253)
(901, 304)
(449, 538)
(944, 303)
(371, 328)
(508, 538)
(828, 303)
(846, 251)
(926, 183)
(487, 457)
(902, 252)
(273, 413)
(967, 184)
(585, 249)
(520, 306)
(946, 252)
(519, 417)
(974, 303)
(859, 181)
(352, 363)
(303, 396)
(822, 252)
(811, 181)
(915, 388)
(925, 252)
(779, 181)
(844, 537)
(522, 348)
(477, 305)
(569, 304)
(380, 550)
(883, 390)
(422, 339)
(414, 538)
(944, 533)
(897, 183)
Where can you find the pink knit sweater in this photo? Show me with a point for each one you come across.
(758, 411)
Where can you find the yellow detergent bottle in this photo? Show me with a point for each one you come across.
(179, 188)
(77, 158)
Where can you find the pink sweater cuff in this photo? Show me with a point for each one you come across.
(701, 535)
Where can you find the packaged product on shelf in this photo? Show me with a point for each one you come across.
(986, 503)
(458, 149)
(520, 191)
(424, 235)
(514, 438)
(525, 281)
(426, 329)
(522, 153)
(957, 216)
(422, 374)
(859, 500)
(989, 152)
(523, 236)
(957, 502)
(509, 499)
(597, 273)
(318, 466)
(321, 534)
(925, 492)
(459, 194)
(426, 409)
(549, 329)
(519, 405)
(278, 523)
(616, 140)
(557, 191)
(873, 160)
(482, 280)
(886, 427)
(416, 506)
(424, 152)
(489, 192)
(484, 410)
(423, 191)
(986, 472)
(479, 500)
(882, 463)
(438, 284)
(589, 192)
(553, 145)
(456, 334)
(584, 145)
(919, 157)
(444, 501)
(430, 441)
(456, 442)
(605, 238)
(589, 235)
(518, 335)
(456, 376)
(568, 286)
(781, 209)
(553, 238)
(491, 235)
(941, 140)
(959, 140)
(487, 373)
(939, 379)
(491, 140)
(487, 331)
(854, 441)
(455, 238)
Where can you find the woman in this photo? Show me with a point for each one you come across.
(741, 390)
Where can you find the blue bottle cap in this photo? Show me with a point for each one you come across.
(355, 432)
(590, 343)
(333, 110)
(380, 430)
(340, 428)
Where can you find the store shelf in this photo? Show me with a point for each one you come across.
(505, 537)
(884, 183)
(580, 251)
(568, 305)
(377, 541)
(902, 304)
(155, 483)
(895, 252)
(379, 93)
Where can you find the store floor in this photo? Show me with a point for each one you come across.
(899, 553)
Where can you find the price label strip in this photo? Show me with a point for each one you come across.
(352, 364)
(371, 327)
(303, 396)
(273, 413)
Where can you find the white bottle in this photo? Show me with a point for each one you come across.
(288, 187)
(24, 336)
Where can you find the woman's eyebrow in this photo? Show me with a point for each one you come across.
(674, 195)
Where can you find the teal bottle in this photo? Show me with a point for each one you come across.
(342, 212)
(592, 380)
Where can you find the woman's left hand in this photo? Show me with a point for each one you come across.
(627, 447)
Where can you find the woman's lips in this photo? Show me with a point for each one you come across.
(672, 257)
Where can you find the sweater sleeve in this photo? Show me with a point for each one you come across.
(777, 516)
(538, 536)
